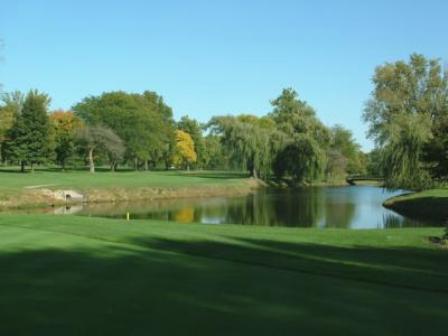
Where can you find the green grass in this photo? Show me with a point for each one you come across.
(428, 205)
(12, 182)
(78, 275)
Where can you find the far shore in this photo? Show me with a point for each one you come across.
(57, 188)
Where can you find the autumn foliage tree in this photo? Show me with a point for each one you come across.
(193, 127)
(184, 155)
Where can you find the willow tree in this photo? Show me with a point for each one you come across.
(301, 158)
(305, 138)
(248, 140)
(405, 103)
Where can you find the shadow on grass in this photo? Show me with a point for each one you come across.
(412, 268)
(250, 287)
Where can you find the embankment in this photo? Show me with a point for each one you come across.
(430, 205)
(38, 197)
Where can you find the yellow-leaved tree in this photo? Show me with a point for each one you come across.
(184, 154)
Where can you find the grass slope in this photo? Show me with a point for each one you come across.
(18, 190)
(77, 275)
(13, 181)
(428, 205)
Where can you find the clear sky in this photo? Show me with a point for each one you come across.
(217, 57)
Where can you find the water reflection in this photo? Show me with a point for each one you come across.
(353, 207)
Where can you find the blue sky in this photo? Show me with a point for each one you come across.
(216, 57)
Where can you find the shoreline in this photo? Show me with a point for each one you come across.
(429, 205)
(45, 197)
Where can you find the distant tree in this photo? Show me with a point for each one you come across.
(1, 59)
(65, 126)
(248, 140)
(143, 121)
(100, 138)
(408, 101)
(11, 106)
(28, 140)
(305, 140)
(374, 163)
(301, 157)
(342, 141)
(184, 155)
(295, 116)
(194, 128)
(336, 164)
(214, 154)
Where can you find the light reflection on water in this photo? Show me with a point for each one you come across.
(354, 207)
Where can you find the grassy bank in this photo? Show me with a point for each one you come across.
(41, 187)
(78, 275)
(427, 205)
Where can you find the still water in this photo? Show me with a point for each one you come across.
(354, 207)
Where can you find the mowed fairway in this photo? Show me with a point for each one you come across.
(80, 275)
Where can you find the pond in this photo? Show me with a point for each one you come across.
(352, 207)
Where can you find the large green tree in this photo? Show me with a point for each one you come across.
(305, 140)
(11, 106)
(408, 104)
(143, 121)
(28, 140)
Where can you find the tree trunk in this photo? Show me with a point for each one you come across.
(112, 166)
(22, 166)
(254, 173)
(146, 165)
(91, 162)
(135, 164)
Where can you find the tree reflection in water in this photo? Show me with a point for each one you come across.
(338, 207)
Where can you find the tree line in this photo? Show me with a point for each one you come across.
(138, 130)
(290, 143)
(407, 115)
(113, 128)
